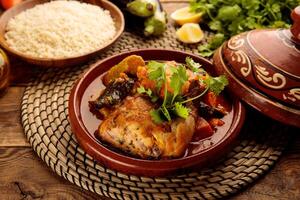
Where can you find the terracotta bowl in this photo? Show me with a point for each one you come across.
(84, 123)
(61, 62)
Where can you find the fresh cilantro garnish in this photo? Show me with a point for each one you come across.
(192, 65)
(178, 78)
(157, 72)
(166, 112)
(207, 50)
(180, 110)
(156, 116)
(173, 102)
(216, 84)
(142, 90)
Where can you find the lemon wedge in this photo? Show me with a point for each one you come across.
(190, 33)
(183, 16)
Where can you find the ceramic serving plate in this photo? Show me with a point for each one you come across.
(200, 153)
(61, 62)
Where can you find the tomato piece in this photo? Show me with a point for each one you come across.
(210, 99)
(214, 122)
(203, 129)
(6, 4)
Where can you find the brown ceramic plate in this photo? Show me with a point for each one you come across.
(84, 123)
(61, 62)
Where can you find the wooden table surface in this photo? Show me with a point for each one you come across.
(23, 175)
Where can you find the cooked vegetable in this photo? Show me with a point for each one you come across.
(155, 110)
(157, 73)
(171, 87)
(228, 18)
(113, 94)
(6, 4)
(203, 129)
(128, 65)
(214, 122)
(208, 111)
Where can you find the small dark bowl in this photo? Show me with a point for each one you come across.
(60, 62)
(84, 124)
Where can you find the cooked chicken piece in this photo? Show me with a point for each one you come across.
(130, 128)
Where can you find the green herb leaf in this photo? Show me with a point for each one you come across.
(142, 90)
(180, 110)
(178, 78)
(172, 102)
(155, 70)
(205, 50)
(228, 13)
(192, 65)
(166, 113)
(217, 40)
(216, 84)
(215, 25)
(230, 17)
(156, 116)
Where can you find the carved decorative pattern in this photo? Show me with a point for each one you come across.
(240, 56)
(275, 81)
(236, 42)
(292, 95)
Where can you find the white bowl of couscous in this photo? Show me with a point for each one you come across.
(60, 33)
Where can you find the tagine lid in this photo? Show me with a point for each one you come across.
(263, 68)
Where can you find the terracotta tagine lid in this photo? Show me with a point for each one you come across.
(263, 68)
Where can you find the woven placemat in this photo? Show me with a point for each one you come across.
(46, 125)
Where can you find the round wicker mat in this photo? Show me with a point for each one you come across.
(46, 125)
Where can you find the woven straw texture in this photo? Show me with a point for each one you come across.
(46, 125)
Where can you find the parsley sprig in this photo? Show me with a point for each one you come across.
(173, 102)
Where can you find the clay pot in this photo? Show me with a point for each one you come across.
(263, 67)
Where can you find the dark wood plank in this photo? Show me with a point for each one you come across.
(24, 176)
(11, 131)
(22, 73)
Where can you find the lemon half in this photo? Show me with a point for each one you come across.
(183, 16)
(190, 33)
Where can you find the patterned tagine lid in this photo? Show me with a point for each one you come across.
(263, 68)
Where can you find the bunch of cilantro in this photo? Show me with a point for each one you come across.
(173, 104)
(230, 17)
